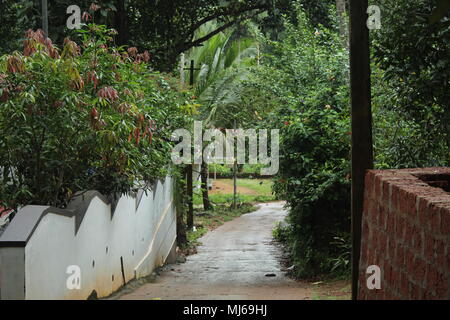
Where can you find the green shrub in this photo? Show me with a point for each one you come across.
(89, 117)
(340, 264)
(281, 232)
(303, 86)
(226, 171)
(411, 85)
(220, 169)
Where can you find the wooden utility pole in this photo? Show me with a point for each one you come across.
(45, 17)
(362, 149)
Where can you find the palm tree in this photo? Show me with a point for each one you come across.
(225, 60)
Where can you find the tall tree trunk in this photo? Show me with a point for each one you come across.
(343, 25)
(179, 200)
(181, 229)
(204, 178)
(235, 185)
(189, 196)
(121, 23)
(235, 176)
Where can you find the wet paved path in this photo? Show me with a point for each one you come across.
(232, 263)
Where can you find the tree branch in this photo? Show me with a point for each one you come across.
(188, 45)
(224, 13)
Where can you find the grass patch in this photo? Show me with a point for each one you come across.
(261, 186)
(219, 199)
(227, 170)
(261, 190)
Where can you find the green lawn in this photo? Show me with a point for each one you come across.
(262, 186)
(256, 190)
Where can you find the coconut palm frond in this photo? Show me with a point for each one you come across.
(224, 59)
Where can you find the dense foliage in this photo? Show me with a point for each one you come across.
(302, 87)
(97, 117)
(84, 117)
(411, 84)
(165, 28)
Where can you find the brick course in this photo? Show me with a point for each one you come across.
(406, 232)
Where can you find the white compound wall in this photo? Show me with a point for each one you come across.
(108, 248)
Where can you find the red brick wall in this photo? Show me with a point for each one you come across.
(406, 232)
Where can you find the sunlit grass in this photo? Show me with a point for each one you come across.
(261, 189)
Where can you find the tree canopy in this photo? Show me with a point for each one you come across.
(165, 28)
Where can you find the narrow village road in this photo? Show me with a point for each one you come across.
(235, 261)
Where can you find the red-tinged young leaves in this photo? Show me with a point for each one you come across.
(73, 129)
